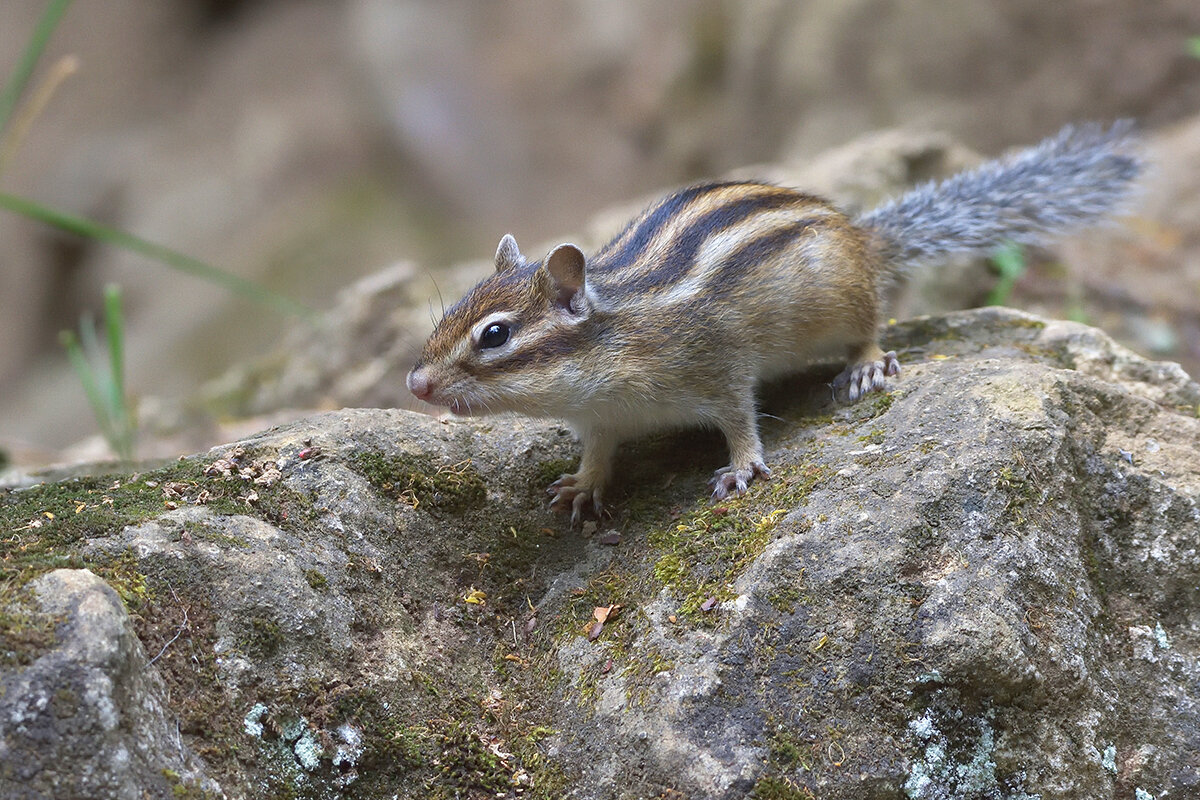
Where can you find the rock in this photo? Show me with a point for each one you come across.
(981, 584)
(89, 717)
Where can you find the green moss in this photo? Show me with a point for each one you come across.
(209, 533)
(177, 629)
(40, 526)
(315, 579)
(773, 787)
(880, 402)
(785, 598)
(464, 764)
(1025, 322)
(433, 737)
(640, 671)
(876, 436)
(454, 487)
(438, 741)
(261, 637)
(548, 472)
(125, 576)
(627, 585)
(184, 790)
(921, 329)
(698, 555)
(1040, 353)
(514, 552)
(786, 750)
(507, 555)
(821, 421)
(392, 746)
(1019, 490)
(65, 703)
(706, 550)
(25, 634)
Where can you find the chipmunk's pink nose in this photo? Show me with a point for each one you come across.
(419, 384)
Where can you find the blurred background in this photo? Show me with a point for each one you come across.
(305, 144)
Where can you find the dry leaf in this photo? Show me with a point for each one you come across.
(603, 614)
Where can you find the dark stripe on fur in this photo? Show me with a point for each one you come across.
(678, 261)
(743, 260)
(630, 243)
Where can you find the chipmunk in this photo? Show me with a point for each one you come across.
(721, 286)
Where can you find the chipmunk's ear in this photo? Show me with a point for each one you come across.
(566, 266)
(508, 255)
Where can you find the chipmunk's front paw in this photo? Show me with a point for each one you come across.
(570, 492)
(728, 480)
(869, 376)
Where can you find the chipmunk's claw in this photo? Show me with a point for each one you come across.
(568, 493)
(870, 376)
(728, 480)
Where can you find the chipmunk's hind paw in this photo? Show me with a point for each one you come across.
(567, 493)
(870, 376)
(728, 480)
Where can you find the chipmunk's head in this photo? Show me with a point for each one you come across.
(506, 346)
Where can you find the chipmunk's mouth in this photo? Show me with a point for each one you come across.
(460, 408)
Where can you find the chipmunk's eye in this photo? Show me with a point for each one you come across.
(494, 335)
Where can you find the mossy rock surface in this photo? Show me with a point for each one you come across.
(974, 586)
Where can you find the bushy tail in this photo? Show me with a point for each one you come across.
(1064, 183)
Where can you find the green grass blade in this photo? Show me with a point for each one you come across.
(124, 426)
(99, 379)
(1010, 262)
(33, 51)
(87, 333)
(86, 377)
(114, 326)
(171, 258)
